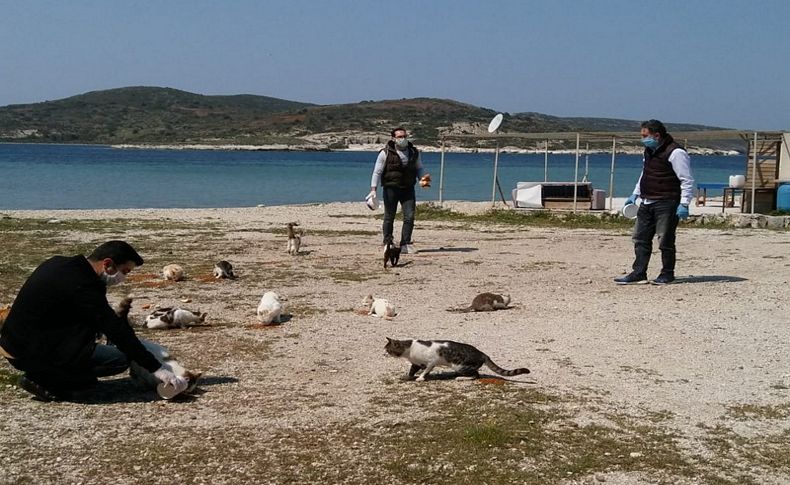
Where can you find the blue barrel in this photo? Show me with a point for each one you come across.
(783, 197)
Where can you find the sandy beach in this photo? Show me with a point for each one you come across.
(684, 383)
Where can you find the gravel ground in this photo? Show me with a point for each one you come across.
(707, 352)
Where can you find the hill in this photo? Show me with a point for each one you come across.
(170, 116)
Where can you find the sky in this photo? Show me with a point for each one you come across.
(720, 63)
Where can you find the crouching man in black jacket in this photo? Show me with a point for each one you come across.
(50, 333)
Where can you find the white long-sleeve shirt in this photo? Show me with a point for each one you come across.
(381, 160)
(681, 164)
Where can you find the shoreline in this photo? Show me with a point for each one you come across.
(369, 148)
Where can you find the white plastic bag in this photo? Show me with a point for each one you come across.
(371, 201)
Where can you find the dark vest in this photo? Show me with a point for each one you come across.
(659, 180)
(395, 173)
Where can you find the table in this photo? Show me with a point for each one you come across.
(701, 199)
(728, 199)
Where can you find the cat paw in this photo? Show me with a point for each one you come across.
(420, 379)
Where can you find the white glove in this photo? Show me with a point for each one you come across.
(167, 377)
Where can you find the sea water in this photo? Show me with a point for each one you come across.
(34, 176)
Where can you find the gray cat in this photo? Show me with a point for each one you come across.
(485, 302)
(224, 269)
(464, 359)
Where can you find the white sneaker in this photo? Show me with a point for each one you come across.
(406, 249)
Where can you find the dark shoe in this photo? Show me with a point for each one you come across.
(39, 392)
(631, 279)
(663, 279)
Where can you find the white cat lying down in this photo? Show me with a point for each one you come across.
(379, 307)
(141, 376)
(173, 318)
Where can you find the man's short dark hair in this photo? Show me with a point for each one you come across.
(400, 128)
(119, 251)
(655, 126)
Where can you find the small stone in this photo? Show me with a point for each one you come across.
(635, 454)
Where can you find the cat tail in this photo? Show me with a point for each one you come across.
(460, 310)
(504, 372)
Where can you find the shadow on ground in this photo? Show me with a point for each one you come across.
(710, 279)
(123, 390)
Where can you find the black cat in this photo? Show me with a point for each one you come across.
(391, 254)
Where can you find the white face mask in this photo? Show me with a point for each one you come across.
(115, 279)
(402, 142)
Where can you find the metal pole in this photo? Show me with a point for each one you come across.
(576, 173)
(586, 163)
(546, 163)
(496, 162)
(754, 169)
(441, 175)
(611, 173)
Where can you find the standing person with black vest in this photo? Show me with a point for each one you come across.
(397, 168)
(666, 188)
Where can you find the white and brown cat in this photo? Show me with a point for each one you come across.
(173, 272)
(294, 238)
(173, 317)
(378, 307)
(270, 308)
(464, 359)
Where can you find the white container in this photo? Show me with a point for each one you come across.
(630, 210)
(169, 392)
(737, 181)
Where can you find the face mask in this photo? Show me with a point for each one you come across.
(649, 142)
(402, 142)
(111, 280)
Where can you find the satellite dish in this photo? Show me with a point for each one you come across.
(492, 127)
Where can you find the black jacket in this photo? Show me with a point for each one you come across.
(396, 174)
(57, 314)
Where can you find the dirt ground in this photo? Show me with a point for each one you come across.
(684, 383)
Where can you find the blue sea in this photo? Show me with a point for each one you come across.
(94, 177)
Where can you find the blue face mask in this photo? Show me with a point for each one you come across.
(650, 142)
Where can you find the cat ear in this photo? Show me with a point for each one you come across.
(388, 339)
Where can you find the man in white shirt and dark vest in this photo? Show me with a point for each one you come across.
(666, 188)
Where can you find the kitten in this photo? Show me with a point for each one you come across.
(485, 302)
(174, 318)
(464, 359)
(391, 254)
(140, 375)
(294, 239)
(379, 307)
(173, 272)
(224, 269)
(270, 309)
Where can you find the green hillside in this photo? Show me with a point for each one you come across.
(165, 116)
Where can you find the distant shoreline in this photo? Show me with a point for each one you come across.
(376, 148)
(365, 148)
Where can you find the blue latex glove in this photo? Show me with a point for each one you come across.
(631, 200)
(683, 212)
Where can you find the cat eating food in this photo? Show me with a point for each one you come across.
(485, 302)
(173, 272)
(464, 359)
(224, 269)
(379, 307)
(270, 309)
